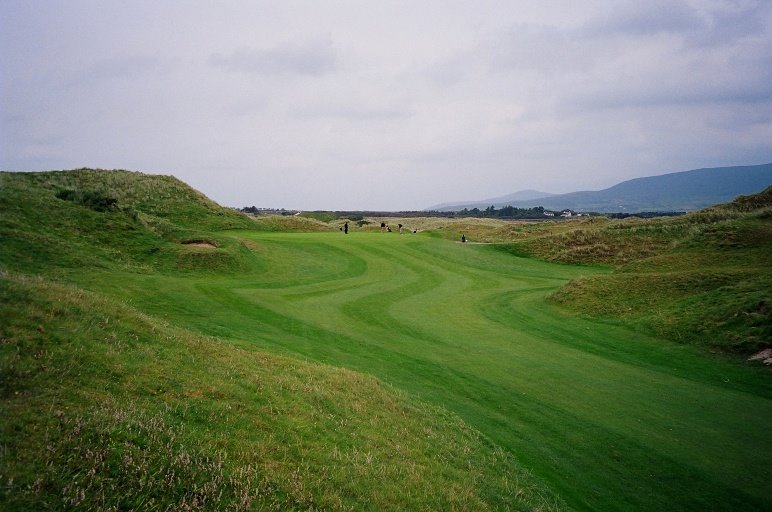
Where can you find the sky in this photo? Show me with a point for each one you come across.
(385, 105)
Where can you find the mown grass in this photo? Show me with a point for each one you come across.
(105, 408)
(609, 417)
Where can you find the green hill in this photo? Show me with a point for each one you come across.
(276, 369)
(53, 221)
(703, 278)
(105, 407)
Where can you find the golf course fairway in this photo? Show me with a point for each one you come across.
(609, 418)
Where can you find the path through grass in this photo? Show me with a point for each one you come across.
(609, 418)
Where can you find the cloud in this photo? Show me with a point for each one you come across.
(353, 109)
(641, 54)
(311, 58)
(545, 49)
(647, 18)
(128, 66)
(733, 21)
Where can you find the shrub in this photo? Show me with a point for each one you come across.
(94, 200)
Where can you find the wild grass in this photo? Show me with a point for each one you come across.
(281, 223)
(322, 216)
(702, 279)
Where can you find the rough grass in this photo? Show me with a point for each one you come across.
(145, 229)
(289, 223)
(322, 216)
(742, 223)
(152, 198)
(702, 279)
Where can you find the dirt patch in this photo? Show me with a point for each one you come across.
(765, 356)
(200, 243)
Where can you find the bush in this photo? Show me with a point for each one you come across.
(94, 200)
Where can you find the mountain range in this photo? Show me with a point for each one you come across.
(678, 191)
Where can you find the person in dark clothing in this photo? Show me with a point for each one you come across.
(463, 239)
(345, 228)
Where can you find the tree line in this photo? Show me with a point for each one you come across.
(507, 212)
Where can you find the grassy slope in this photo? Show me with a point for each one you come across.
(289, 223)
(703, 279)
(104, 406)
(611, 418)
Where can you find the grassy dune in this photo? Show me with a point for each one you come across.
(703, 279)
(410, 371)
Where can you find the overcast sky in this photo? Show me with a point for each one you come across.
(383, 104)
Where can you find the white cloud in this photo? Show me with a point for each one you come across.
(647, 18)
(307, 58)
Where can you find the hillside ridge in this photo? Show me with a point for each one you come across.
(678, 191)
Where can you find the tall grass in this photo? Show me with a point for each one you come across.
(703, 278)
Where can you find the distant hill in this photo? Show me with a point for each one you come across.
(679, 191)
(522, 195)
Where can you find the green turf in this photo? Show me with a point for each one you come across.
(578, 389)
(106, 409)
(608, 417)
